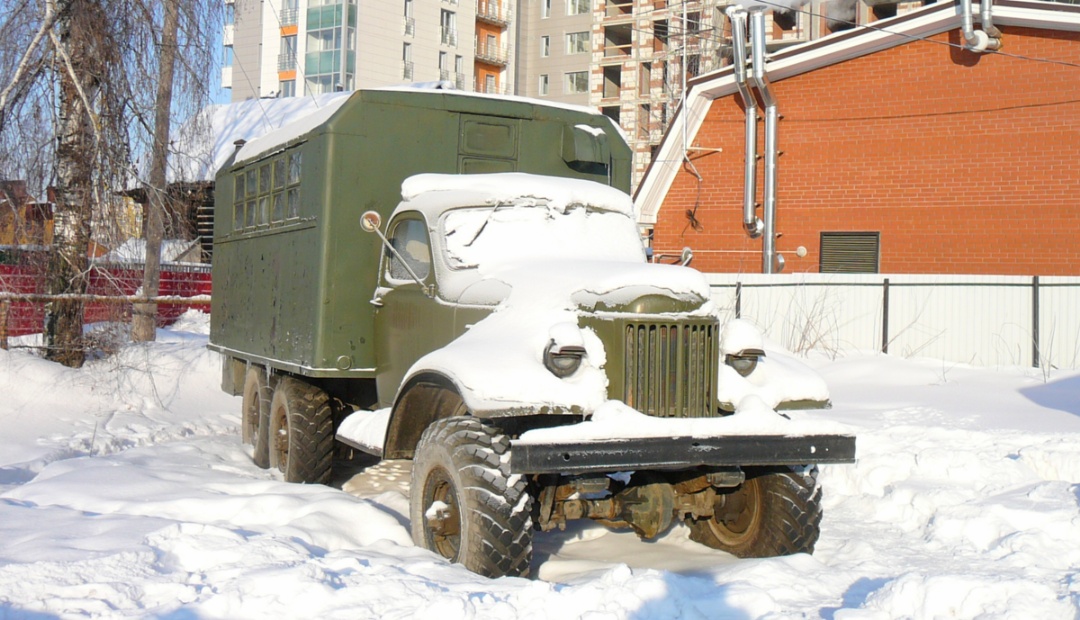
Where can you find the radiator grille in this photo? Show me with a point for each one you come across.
(670, 369)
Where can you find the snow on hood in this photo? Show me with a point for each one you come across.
(499, 360)
(510, 187)
(778, 378)
(538, 249)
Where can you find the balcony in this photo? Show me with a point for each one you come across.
(493, 54)
(226, 77)
(491, 89)
(289, 16)
(449, 36)
(493, 12)
(228, 35)
(407, 71)
(410, 26)
(286, 61)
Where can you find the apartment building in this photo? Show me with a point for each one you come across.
(632, 59)
(285, 48)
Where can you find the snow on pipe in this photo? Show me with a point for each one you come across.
(979, 40)
(751, 223)
(769, 258)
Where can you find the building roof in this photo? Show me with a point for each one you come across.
(919, 24)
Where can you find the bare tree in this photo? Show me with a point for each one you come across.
(143, 320)
(76, 113)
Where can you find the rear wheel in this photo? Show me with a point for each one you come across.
(776, 512)
(301, 432)
(255, 417)
(465, 504)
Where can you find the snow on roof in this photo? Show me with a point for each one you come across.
(134, 251)
(267, 123)
(508, 187)
(251, 121)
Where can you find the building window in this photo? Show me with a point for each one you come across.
(448, 21)
(489, 84)
(545, 9)
(577, 82)
(406, 61)
(543, 88)
(410, 23)
(287, 57)
(545, 46)
(227, 58)
(288, 88)
(577, 43)
(444, 66)
(578, 7)
(331, 30)
(850, 252)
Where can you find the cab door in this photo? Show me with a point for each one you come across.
(409, 321)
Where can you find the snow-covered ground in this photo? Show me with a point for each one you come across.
(125, 492)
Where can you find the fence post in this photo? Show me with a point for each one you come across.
(5, 307)
(885, 316)
(1035, 321)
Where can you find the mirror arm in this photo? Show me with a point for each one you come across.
(393, 250)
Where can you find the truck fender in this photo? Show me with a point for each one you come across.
(423, 399)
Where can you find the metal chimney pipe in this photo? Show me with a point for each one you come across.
(986, 18)
(977, 40)
(772, 117)
(751, 223)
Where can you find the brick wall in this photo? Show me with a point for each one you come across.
(965, 163)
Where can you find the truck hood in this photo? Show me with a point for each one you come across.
(498, 362)
(641, 288)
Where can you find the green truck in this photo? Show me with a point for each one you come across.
(503, 330)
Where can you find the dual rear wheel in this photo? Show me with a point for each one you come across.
(290, 424)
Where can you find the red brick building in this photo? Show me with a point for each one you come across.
(894, 141)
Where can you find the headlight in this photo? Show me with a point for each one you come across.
(744, 362)
(564, 360)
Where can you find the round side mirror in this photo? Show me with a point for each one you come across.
(370, 221)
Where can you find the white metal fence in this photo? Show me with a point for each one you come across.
(980, 320)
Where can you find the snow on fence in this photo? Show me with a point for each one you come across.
(980, 320)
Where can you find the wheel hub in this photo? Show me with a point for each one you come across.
(442, 517)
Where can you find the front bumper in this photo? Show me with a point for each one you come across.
(673, 453)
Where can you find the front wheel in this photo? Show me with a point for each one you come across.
(301, 432)
(465, 504)
(775, 512)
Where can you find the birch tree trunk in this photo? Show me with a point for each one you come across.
(144, 317)
(68, 267)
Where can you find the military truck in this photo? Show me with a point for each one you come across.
(503, 330)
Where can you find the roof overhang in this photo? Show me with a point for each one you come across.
(836, 48)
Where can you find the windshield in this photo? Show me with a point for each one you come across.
(489, 235)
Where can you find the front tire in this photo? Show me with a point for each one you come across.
(301, 432)
(465, 504)
(775, 512)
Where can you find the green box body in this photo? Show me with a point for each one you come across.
(293, 282)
